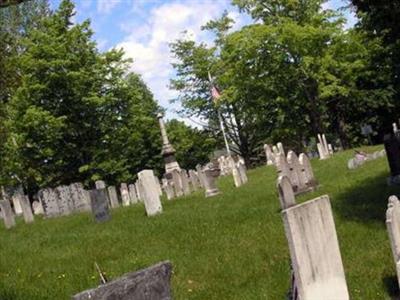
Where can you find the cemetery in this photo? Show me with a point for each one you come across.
(159, 150)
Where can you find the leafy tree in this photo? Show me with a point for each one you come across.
(193, 146)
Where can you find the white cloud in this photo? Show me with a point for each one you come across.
(105, 6)
(148, 44)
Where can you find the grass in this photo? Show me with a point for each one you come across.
(231, 246)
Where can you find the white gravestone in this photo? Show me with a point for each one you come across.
(125, 195)
(113, 196)
(152, 201)
(16, 203)
(168, 188)
(282, 166)
(210, 176)
(393, 228)
(100, 184)
(200, 175)
(242, 171)
(37, 208)
(132, 193)
(314, 250)
(177, 181)
(280, 148)
(307, 171)
(286, 193)
(269, 155)
(235, 172)
(26, 208)
(7, 213)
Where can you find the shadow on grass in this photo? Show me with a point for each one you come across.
(366, 201)
(391, 285)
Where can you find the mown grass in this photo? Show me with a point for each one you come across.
(231, 246)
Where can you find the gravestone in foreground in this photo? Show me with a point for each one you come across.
(314, 250)
(152, 283)
(99, 204)
(7, 213)
(393, 228)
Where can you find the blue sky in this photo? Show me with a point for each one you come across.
(145, 27)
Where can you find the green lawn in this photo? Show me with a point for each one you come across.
(231, 246)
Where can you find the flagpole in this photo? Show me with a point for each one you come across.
(221, 124)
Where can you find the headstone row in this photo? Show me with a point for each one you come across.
(325, 150)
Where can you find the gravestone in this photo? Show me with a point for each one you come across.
(132, 194)
(158, 185)
(286, 193)
(185, 182)
(125, 194)
(280, 148)
(242, 171)
(49, 199)
(99, 203)
(314, 250)
(194, 179)
(177, 182)
(37, 208)
(64, 199)
(393, 228)
(210, 176)
(307, 171)
(16, 203)
(113, 196)
(269, 155)
(26, 208)
(139, 190)
(152, 201)
(100, 184)
(235, 172)
(200, 175)
(392, 147)
(282, 166)
(168, 188)
(80, 197)
(7, 214)
(153, 283)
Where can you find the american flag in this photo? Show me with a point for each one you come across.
(215, 94)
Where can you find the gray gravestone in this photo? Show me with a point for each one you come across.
(7, 213)
(152, 201)
(99, 204)
(314, 250)
(392, 147)
(49, 199)
(112, 195)
(210, 176)
(132, 194)
(153, 283)
(168, 188)
(125, 194)
(26, 208)
(194, 179)
(185, 182)
(80, 197)
(100, 184)
(65, 203)
(286, 193)
(16, 203)
(37, 208)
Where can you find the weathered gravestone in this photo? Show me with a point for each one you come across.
(393, 228)
(392, 147)
(269, 155)
(286, 193)
(174, 175)
(16, 203)
(64, 198)
(125, 194)
(153, 283)
(235, 172)
(80, 197)
(307, 172)
(282, 166)
(100, 184)
(132, 193)
(168, 188)
(99, 203)
(210, 174)
(200, 175)
(194, 179)
(112, 195)
(37, 208)
(7, 214)
(152, 201)
(314, 250)
(26, 208)
(49, 199)
(185, 182)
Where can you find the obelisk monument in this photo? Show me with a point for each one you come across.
(168, 152)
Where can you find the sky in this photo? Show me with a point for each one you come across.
(144, 29)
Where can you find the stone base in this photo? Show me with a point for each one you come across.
(172, 166)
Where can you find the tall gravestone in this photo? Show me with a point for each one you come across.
(113, 196)
(125, 194)
(64, 199)
(80, 197)
(26, 208)
(7, 213)
(99, 203)
(185, 182)
(16, 203)
(242, 171)
(152, 201)
(49, 199)
(393, 228)
(153, 283)
(200, 175)
(132, 193)
(269, 155)
(235, 172)
(314, 250)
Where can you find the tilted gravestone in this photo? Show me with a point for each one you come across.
(152, 201)
(242, 172)
(235, 171)
(286, 193)
(126, 200)
(153, 283)
(200, 175)
(26, 208)
(7, 214)
(112, 195)
(139, 190)
(269, 155)
(16, 203)
(393, 228)
(132, 193)
(99, 204)
(314, 250)
(307, 172)
(295, 172)
(282, 166)
(100, 184)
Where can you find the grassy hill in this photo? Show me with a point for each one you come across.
(231, 246)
